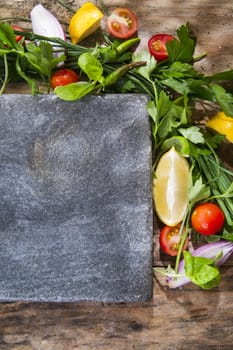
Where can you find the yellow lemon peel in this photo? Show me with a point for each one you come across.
(222, 124)
(84, 22)
(170, 187)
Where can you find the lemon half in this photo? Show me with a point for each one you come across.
(84, 22)
(170, 187)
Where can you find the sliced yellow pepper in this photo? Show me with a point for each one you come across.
(84, 22)
(222, 124)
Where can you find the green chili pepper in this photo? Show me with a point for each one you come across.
(113, 77)
(126, 45)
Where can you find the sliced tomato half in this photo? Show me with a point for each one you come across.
(157, 46)
(122, 23)
(170, 238)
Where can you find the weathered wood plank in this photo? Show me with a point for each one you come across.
(188, 319)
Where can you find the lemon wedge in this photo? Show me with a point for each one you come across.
(170, 187)
(84, 22)
(222, 124)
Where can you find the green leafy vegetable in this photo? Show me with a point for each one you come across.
(182, 50)
(91, 66)
(201, 271)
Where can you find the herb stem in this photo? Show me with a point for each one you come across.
(184, 235)
(6, 74)
(67, 6)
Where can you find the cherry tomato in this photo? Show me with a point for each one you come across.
(207, 219)
(63, 77)
(157, 46)
(122, 23)
(169, 240)
(17, 36)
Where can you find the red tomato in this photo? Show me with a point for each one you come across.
(122, 23)
(207, 219)
(17, 36)
(157, 46)
(63, 77)
(169, 240)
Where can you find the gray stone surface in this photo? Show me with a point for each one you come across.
(75, 199)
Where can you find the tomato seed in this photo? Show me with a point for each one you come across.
(156, 45)
(115, 25)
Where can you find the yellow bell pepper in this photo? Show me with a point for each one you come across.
(84, 22)
(222, 124)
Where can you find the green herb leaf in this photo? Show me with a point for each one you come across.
(7, 36)
(224, 99)
(183, 49)
(151, 63)
(91, 66)
(180, 144)
(31, 82)
(193, 134)
(201, 271)
(171, 115)
(198, 191)
(74, 91)
(41, 57)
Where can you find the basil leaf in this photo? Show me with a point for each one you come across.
(74, 91)
(201, 271)
(91, 66)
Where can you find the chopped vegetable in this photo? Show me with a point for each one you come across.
(157, 46)
(84, 22)
(122, 23)
(45, 23)
(222, 124)
(170, 238)
(170, 187)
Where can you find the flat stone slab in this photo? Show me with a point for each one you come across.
(75, 199)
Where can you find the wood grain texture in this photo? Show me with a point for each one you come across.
(187, 318)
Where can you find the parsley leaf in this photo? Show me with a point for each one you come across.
(224, 99)
(193, 134)
(183, 49)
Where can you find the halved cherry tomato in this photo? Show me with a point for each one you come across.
(17, 36)
(157, 46)
(170, 238)
(122, 23)
(207, 219)
(63, 77)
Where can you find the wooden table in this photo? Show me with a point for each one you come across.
(174, 319)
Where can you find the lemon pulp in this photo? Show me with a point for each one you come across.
(84, 22)
(170, 187)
